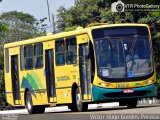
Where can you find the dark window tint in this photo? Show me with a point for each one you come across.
(7, 60)
(71, 50)
(28, 55)
(22, 57)
(119, 32)
(60, 52)
(38, 48)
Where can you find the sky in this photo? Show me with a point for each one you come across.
(37, 8)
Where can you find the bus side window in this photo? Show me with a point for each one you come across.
(60, 52)
(22, 57)
(71, 50)
(38, 54)
(28, 57)
(7, 60)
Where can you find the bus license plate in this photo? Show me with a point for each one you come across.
(128, 90)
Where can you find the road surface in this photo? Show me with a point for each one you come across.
(100, 113)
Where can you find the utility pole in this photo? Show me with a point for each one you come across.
(49, 15)
(53, 24)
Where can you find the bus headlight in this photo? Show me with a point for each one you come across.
(102, 84)
(148, 82)
(105, 72)
(151, 81)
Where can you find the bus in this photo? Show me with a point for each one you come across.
(97, 64)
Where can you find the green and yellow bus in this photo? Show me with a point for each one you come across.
(99, 63)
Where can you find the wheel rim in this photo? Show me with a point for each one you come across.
(78, 100)
(29, 105)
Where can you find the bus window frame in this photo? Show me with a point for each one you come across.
(29, 57)
(69, 39)
(35, 56)
(57, 40)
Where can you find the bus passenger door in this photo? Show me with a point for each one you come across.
(84, 67)
(50, 77)
(15, 79)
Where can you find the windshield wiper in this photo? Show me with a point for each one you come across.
(110, 42)
(133, 44)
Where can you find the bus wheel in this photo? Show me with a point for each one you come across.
(132, 103)
(29, 105)
(78, 105)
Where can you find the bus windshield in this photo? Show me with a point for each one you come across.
(123, 52)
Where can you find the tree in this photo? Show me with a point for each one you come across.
(21, 26)
(3, 28)
(85, 12)
(61, 18)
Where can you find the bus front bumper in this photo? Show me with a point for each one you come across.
(105, 94)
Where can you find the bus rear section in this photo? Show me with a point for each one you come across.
(48, 71)
(125, 66)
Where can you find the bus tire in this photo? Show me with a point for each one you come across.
(85, 107)
(77, 104)
(29, 104)
(132, 103)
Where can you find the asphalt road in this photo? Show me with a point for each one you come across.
(141, 112)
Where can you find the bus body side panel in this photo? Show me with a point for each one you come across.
(68, 74)
(8, 85)
(65, 77)
(48, 56)
(84, 66)
(34, 80)
(8, 78)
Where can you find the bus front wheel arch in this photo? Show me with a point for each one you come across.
(29, 105)
(77, 104)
